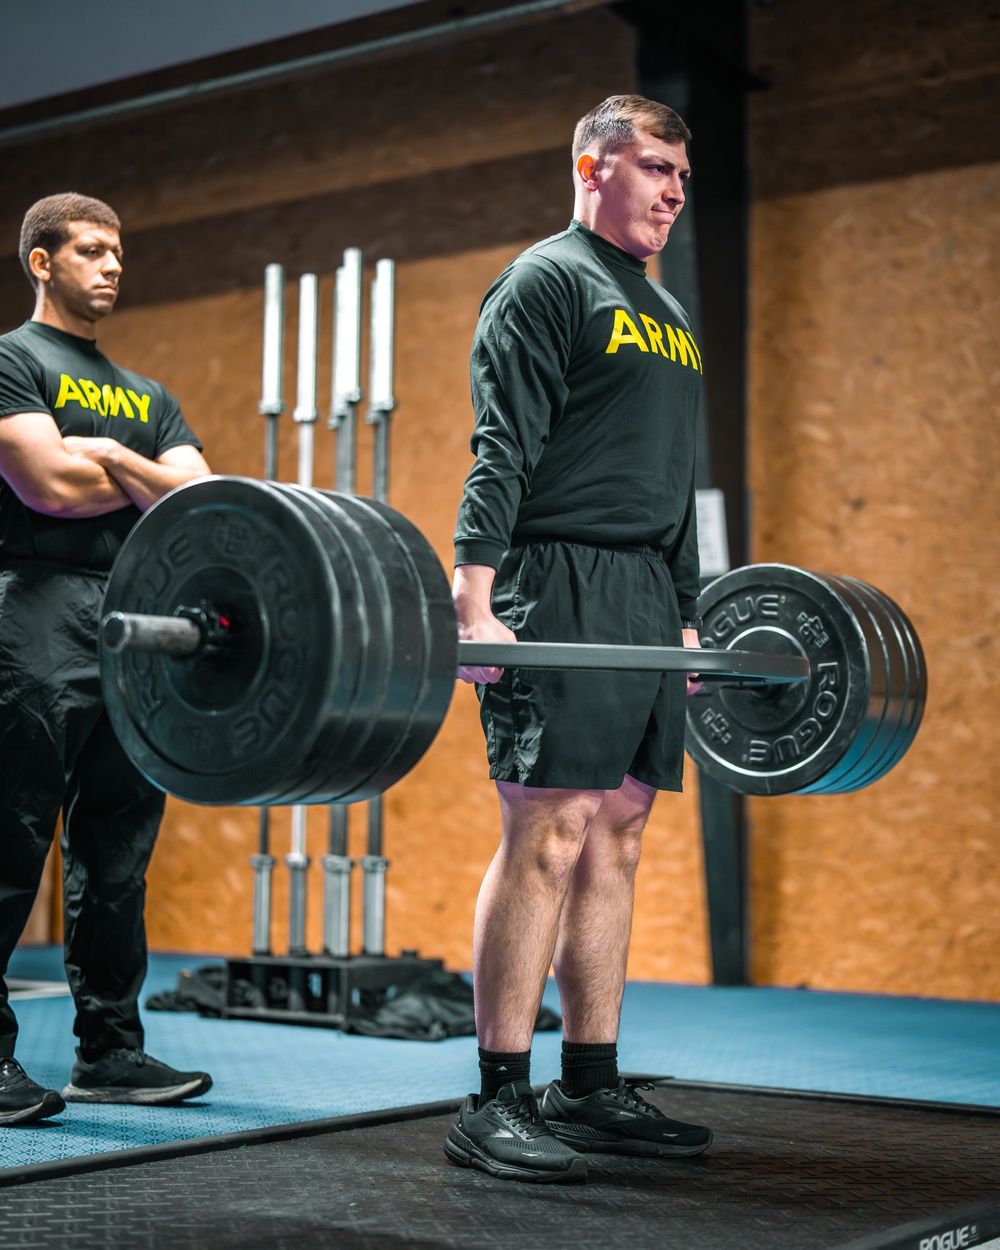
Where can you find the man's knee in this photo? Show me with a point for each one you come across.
(627, 808)
(622, 818)
(547, 826)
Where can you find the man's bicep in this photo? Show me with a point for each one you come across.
(527, 316)
(30, 447)
(184, 457)
(521, 352)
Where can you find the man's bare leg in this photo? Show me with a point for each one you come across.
(500, 1130)
(596, 922)
(520, 902)
(590, 1108)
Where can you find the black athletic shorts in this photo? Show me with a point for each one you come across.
(586, 730)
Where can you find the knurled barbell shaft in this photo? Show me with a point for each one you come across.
(173, 635)
(580, 655)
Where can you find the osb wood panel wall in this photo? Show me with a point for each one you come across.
(874, 452)
(873, 444)
(450, 160)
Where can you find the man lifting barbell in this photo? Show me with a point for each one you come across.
(578, 523)
(85, 447)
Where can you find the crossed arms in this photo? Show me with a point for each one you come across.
(86, 477)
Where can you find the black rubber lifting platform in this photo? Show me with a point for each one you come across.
(786, 1171)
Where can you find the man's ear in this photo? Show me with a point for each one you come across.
(586, 167)
(39, 262)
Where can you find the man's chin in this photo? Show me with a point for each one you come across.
(99, 307)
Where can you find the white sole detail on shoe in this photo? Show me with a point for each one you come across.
(27, 1115)
(610, 1145)
(470, 1156)
(135, 1097)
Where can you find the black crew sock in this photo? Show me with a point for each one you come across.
(498, 1068)
(588, 1066)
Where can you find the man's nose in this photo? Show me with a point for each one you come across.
(675, 191)
(112, 265)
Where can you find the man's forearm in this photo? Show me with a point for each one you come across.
(80, 489)
(471, 591)
(143, 481)
(147, 481)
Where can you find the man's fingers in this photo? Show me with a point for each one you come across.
(485, 676)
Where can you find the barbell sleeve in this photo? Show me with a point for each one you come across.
(159, 635)
(182, 636)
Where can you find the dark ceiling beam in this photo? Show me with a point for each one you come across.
(440, 31)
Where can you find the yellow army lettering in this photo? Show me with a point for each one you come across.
(107, 400)
(619, 336)
(678, 344)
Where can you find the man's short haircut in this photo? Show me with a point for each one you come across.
(46, 224)
(613, 125)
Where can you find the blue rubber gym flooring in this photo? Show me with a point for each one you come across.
(276, 1074)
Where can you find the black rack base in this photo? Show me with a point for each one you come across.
(320, 990)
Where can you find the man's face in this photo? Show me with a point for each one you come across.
(83, 274)
(641, 193)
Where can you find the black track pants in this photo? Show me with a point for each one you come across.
(58, 751)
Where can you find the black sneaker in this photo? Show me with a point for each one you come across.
(619, 1121)
(132, 1076)
(508, 1138)
(22, 1100)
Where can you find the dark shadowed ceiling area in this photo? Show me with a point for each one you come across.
(49, 47)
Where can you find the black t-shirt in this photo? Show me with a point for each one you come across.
(43, 369)
(585, 382)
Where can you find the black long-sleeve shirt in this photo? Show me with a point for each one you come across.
(585, 382)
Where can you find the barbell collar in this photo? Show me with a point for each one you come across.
(751, 666)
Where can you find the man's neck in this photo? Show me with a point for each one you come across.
(50, 314)
(589, 220)
(585, 218)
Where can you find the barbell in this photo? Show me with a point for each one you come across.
(266, 644)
